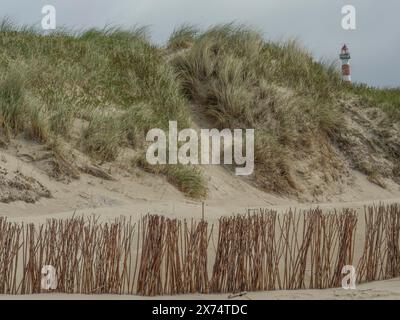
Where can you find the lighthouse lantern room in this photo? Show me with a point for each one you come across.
(345, 57)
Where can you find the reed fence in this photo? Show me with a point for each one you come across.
(162, 256)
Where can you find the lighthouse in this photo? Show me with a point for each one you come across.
(345, 57)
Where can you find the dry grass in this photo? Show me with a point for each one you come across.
(242, 81)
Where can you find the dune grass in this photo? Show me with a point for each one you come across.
(188, 179)
(388, 99)
(182, 37)
(114, 79)
(11, 103)
(76, 73)
(122, 85)
(239, 80)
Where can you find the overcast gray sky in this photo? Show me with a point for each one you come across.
(374, 45)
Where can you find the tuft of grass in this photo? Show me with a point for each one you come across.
(38, 127)
(103, 136)
(12, 107)
(63, 163)
(7, 25)
(136, 122)
(182, 37)
(187, 179)
(61, 117)
(371, 171)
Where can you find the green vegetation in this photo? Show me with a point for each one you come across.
(120, 85)
(115, 80)
(182, 37)
(386, 99)
(241, 81)
(188, 179)
(11, 103)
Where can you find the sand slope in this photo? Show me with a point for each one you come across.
(134, 191)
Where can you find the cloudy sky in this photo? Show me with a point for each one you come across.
(374, 45)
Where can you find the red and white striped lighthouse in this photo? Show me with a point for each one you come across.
(345, 57)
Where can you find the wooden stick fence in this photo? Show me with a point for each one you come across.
(381, 255)
(158, 255)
